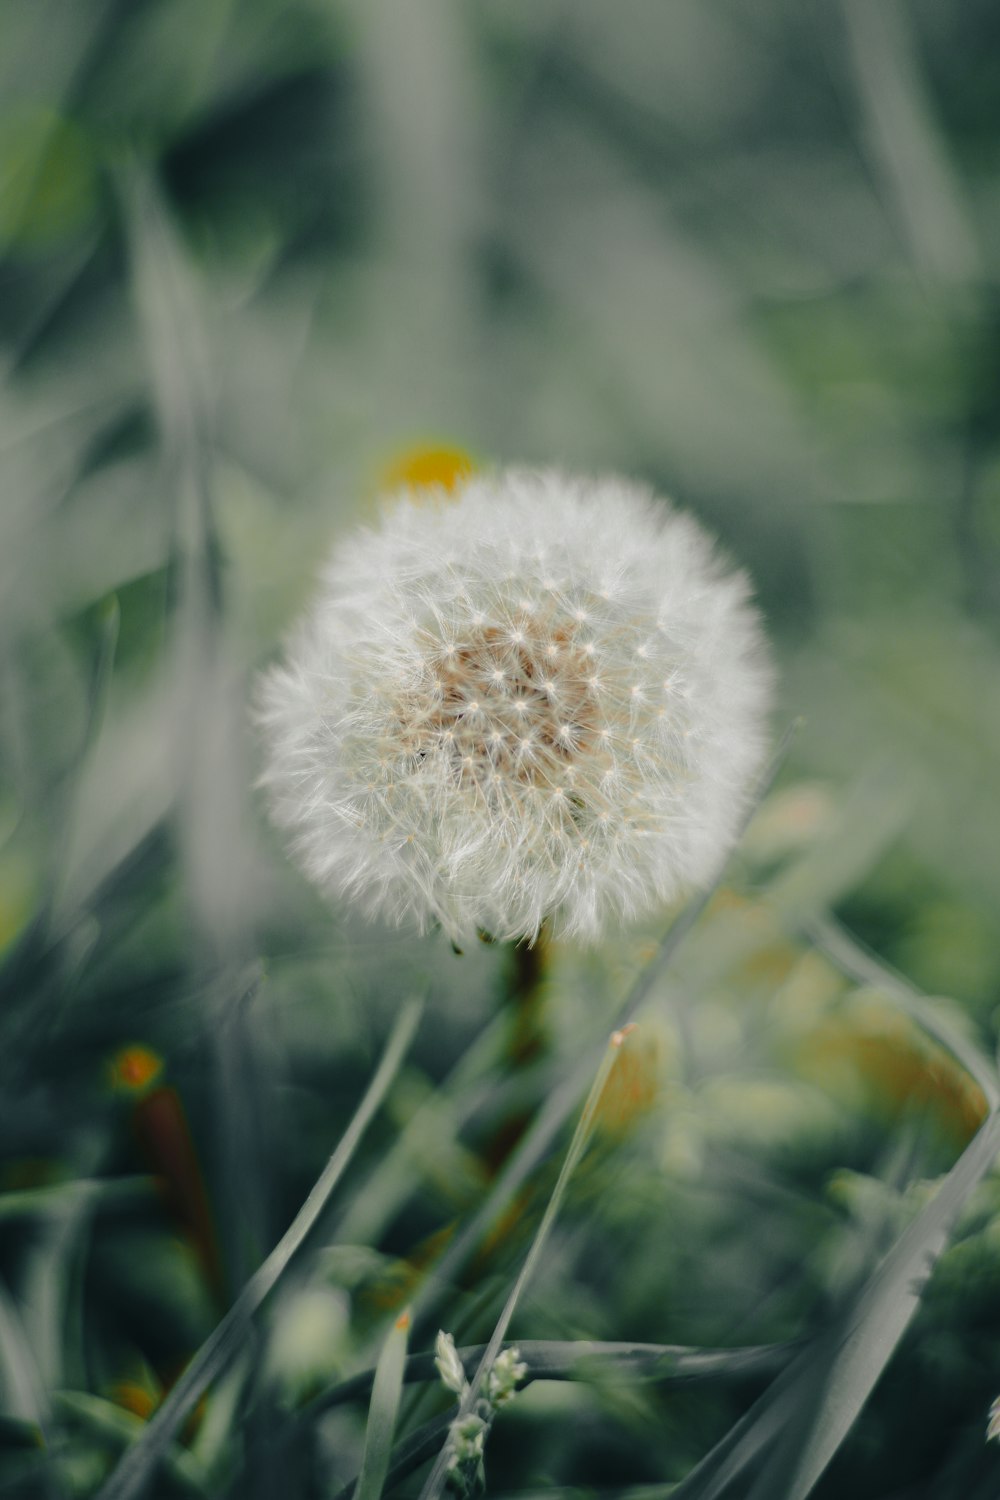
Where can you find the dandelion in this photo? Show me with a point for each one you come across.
(543, 698)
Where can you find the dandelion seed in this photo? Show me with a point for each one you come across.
(439, 648)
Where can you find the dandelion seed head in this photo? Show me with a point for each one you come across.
(437, 740)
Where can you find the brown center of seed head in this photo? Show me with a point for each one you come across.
(509, 703)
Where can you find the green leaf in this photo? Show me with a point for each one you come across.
(383, 1409)
(114, 1425)
(581, 1135)
(584, 1360)
(137, 1466)
(62, 1197)
(800, 1422)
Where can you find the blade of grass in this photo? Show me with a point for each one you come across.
(213, 830)
(222, 1414)
(401, 1171)
(438, 1475)
(48, 924)
(136, 1467)
(875, 1326)
(172, 325)
(908, 155)
(581, 1359)
(98, 691)
(21, 1380)
(41, 949)
(26, 1398)
(46, 1287)
(115, 1425)
(45, 1201)
(386, 1388)
(572, 1492)
(408, 1454)
(871, 818)
(802, 1419)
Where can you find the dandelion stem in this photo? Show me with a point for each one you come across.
(526, 975)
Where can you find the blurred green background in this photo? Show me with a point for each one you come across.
(252, 256)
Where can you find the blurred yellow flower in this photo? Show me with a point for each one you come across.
(875, 1047)
(136, 1398)
(634, 1084)
(134, 1068)
(427, 468)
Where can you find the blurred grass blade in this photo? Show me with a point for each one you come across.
(584, 1359)
(386, 1390)
(207, 752)
(803, 1418)
(109, 626)
(173, 328)
(111, 1422)
(21, 1388)
(46, 1289)
(908, 154)
(874, 813)
(137, 1466)
(45, 929)
(874, 1328)
(61, 1196)
(433, 1128)
(679, 930)
(408, 1454)
(581, 1135)
(222, 1415)
(23, 1394)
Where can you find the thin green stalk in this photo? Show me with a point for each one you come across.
(401, 1171)
(436, 1479)
(579, 1359)
(408, 1455)
(386, 1388)
(137, 1466)
(527, 965)
(789, 1436)
(26, 1396)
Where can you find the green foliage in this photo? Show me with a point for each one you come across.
(251, 253)
(386, 1387)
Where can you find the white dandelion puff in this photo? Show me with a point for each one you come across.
(457, 735)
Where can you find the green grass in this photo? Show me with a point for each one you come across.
(249, 254)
